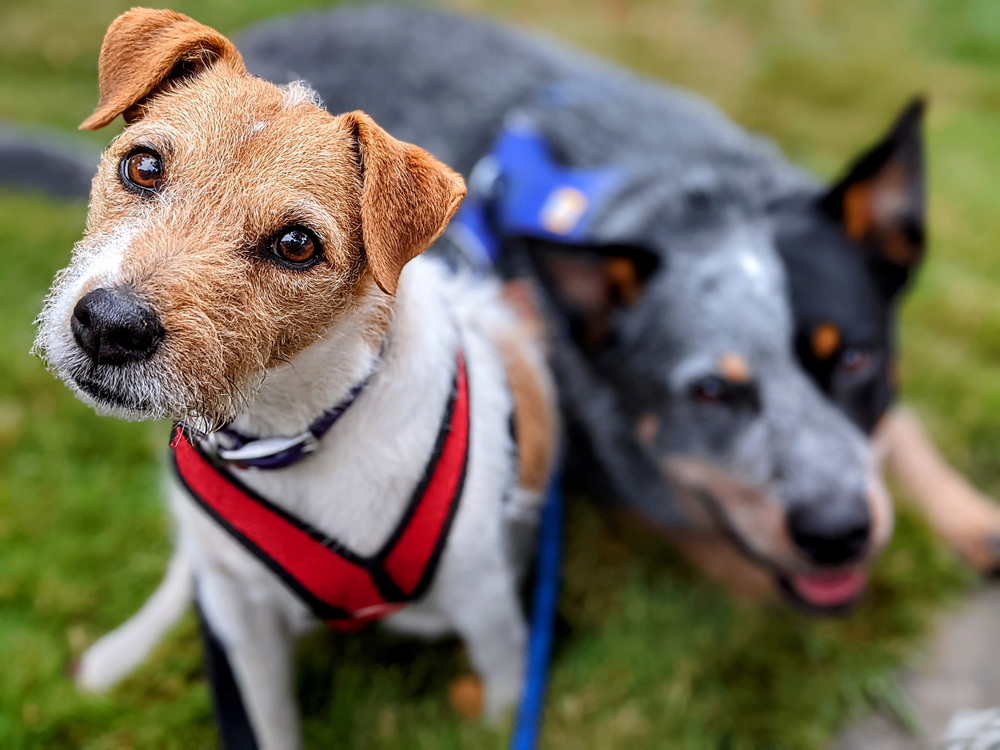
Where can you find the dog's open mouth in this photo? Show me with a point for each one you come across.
(755, 522)
(826, 592)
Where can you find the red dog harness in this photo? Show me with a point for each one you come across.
(341, 587)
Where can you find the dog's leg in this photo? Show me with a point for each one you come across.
(968, 520)
(119, 652)
(250, 651)
(487, 616)
(230, 713)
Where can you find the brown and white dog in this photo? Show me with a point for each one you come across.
(250, 269)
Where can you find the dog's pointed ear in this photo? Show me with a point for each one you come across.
(880, 202)
(589, 284)
(407, 198)
(145, 49)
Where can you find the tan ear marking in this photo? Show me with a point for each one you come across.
(141, 51)
(407, 199)
(857, 210)
(872, 211)
(624, 279)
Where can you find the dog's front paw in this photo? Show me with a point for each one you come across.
(975, 536)
(965, 518)
(471, 698)
(466, 696)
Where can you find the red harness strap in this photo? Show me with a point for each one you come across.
(345, 589)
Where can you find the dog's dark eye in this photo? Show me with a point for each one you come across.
(856, 361)
(296, 246)
(717, 390)
(142, 171)
(710, 390)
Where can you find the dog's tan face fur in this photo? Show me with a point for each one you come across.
(242, 160)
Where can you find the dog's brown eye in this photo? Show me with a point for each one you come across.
(142, 171)
(296, 246)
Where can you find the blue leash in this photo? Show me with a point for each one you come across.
(528, 723)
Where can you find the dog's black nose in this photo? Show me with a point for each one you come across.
(830, 532)
(113, 328)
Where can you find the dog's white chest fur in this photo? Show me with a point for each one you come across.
(357, 486)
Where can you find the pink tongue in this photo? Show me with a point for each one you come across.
(830, 589)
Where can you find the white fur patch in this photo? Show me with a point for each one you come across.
(98, 259)
(96, 263)
(751, 266)
(297, 92)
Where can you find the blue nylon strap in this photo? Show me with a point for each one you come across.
(520, 190)
(528, 722)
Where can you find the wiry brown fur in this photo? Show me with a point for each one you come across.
(243, 160)
(142, 48)
(199, 261)
(396, 174)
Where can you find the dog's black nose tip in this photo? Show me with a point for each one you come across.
(831, 532)
(113, 328)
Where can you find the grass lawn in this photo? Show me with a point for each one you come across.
(651, 655)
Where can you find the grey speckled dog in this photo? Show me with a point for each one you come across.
(676, 363)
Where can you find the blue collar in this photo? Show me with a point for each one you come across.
(230, 446)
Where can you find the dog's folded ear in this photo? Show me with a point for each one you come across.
(589, 284)
(880, 202)
(144, 50)
(407, 198)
